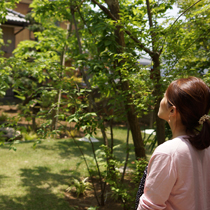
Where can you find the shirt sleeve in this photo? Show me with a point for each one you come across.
(160, 180)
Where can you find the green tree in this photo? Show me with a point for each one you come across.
(4, 73)
(147, 24)
(103, 44)
(38, 71)
(82, 53)
(188, 46)
(122, 24)
(4, 5)
(138, 21)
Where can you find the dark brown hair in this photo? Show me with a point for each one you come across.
(191, 97)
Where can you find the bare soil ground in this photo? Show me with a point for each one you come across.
(89, 200)
(12, 111)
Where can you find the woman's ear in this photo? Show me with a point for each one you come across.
(173, 111)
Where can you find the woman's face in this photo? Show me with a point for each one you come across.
(164, 109)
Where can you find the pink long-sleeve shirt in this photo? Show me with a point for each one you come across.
(178, 178)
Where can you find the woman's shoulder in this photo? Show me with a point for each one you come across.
(177, 145)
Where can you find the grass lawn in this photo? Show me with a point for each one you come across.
(36, 179)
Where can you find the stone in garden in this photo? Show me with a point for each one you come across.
(8, 133)
(87, 140)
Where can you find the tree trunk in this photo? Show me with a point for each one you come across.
(129, 107)
(160, 124)
(156, 76)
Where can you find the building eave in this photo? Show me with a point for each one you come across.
(15, 19)
(26, 1)
(14, 23)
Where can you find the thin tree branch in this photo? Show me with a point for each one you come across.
(180, 16)
(185, 12)
(76, 29)
(127, 154)
(149, 14)
(141, 45)
(77, 7)
(62, 66)
(109, 14)
(87, 169)
(99, 173)
(106, 11)
(187, 48)
(84, 75)
(152, 33)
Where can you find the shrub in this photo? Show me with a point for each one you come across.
(79, 187)
(3, 117)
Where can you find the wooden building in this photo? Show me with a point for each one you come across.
(15, 27)
(14, 31)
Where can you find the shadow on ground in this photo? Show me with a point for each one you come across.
(40, 183)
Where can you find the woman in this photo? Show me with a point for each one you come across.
(178, 174)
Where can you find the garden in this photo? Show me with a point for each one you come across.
(51, 173)
(78, 102)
